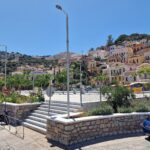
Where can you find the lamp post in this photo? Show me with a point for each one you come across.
(81, 83)
(68, 65)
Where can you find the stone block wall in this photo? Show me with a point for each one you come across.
(71, 131)
(19, 111)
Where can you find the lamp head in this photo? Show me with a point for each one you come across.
(59, 7)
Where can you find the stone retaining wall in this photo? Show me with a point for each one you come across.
(19, 111)
(71, 131)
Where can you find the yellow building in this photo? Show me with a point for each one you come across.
(136, 59)
(116, 72)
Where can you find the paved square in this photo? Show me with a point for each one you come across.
(37, 141)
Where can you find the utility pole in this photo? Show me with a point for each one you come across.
(68, 57)
(81, 83)
(5, 66)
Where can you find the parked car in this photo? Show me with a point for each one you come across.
(146, 127)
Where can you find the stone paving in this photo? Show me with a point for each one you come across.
(37, 141)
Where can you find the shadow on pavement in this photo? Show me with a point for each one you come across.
(148, 138)
(95, 141)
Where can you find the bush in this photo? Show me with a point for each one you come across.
(147, 87)
(118, 96)
(125, 109)
(17, 98)
(141, 107)
(104, 109)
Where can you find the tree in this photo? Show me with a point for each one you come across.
(109, 40)
(61, 79)
(101, 78)
(121, 38)
(144, 70)
(118, 96)
(42, 81)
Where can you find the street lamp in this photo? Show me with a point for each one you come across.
(81, 83)
(67, 46)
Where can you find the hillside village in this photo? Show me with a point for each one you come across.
(119, 61)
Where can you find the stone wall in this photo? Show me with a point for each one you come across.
(19, 111)
(71, 131)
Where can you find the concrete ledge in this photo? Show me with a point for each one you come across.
(23, 104)
(19, 111)
(62, 119)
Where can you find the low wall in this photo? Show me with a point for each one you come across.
(71, 131)
(19, 111)
(87, 106)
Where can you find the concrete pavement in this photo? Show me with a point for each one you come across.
(37, 141)
(87, 97)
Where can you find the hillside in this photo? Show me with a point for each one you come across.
(16, 59)
(132, 37)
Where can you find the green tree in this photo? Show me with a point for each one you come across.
(61, 79)
(118, 96)
(42, 81)
(101, 78)
(144, 71)
(110, 40)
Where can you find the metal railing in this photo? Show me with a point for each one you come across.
(13, 125)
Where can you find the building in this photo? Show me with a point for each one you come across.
(91, 65)
(147, 57)
(115, 72)
(137, 46)
(130, 74)
(120, 55)
(136, 59)
(102, 54)
(143, 77)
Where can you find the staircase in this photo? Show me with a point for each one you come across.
(38, 118)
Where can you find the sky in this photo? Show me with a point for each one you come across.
(36, 27)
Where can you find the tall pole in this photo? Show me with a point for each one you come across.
(5, 66)
(68, 57)
(80, 84)
(50, 94)
(68, 65)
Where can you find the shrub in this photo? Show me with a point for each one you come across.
(119, 96)
(141, 107)
(125, 109)
(104, 109)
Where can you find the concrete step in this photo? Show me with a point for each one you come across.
(52, 111)
(57, 108)
(42, 116)
(61, 105)
(62, 102)
(58, 111)
(35, 128)
(36, 123)
(37, 119)
(41, 112)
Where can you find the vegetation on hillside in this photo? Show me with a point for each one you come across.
(132, 37)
